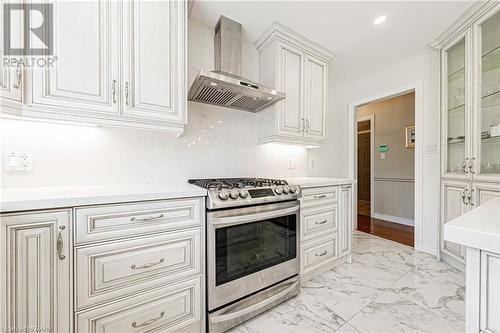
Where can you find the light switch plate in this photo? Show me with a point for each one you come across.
(18, 161)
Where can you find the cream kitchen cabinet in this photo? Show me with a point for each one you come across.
(470, 115)
(299, 68)
(325, 228)
(10, 76)
(455, 196)
(345, 219)
(36, 277)
(118, 63)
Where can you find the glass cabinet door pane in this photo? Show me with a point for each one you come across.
(490, 95)
(455, 59)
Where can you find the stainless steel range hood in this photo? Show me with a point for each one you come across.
(225, 86)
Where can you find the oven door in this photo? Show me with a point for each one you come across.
(249, 249)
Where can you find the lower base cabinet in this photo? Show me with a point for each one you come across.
(150, 280)
(325, 228)
(171, 309)
(36, 274)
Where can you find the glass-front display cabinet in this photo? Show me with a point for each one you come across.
(487, 134)
(455, 75)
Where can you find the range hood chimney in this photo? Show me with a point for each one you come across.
(225, 86)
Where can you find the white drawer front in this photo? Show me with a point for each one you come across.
(319, 195)
(317, 253)
(318, 221)
(163, 310)
(109, 271)
(108, 222)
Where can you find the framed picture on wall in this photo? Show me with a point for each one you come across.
(410, 136)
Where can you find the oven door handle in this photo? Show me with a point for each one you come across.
(235, 220)
(254, 307)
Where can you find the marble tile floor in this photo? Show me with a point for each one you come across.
(389, 287)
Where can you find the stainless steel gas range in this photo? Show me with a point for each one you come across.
(252, 247)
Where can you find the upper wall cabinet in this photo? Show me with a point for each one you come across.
(117, 63)
(299, 68)
(10, 77)
(154, 60)
(470, 95)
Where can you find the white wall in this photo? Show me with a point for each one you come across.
(332, 159)
(217, 142)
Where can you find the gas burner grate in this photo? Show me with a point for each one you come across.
(229, 183)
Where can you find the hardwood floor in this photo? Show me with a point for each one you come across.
(364, 207)
(394, 231)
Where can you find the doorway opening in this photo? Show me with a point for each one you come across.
(386, 167)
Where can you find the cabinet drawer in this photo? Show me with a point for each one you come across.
(319, 195)
(100, 223)
(109, 271)
(318, 252)
(163, 310)
(318, 221)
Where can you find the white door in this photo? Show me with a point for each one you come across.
(455, 198)
(84, 78)
(315, 98)
(345, 220)
(11, 83)
(154, 59)
(487, 104)
(36, 273)
(290, 81)
(490, 292)
(482, 192)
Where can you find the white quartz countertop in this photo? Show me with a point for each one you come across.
(306, 182)
(20, 199)
(478, 228)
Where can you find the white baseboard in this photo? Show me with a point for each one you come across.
(395, 219)
(427, 250)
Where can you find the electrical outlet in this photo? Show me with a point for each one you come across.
(18, 161)
(291, 164)
(313, 164)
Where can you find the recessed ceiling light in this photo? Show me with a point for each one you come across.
(380, 19)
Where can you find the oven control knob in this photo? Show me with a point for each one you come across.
(243, 193)
(223, 194)
(293, 188)
(286, 189)
(234, 194)
(278, 189)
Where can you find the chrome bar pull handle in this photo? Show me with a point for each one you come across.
(465, 165)
(471, 166)
(320, 196)
(60, 243)
(321, 222)
(126, 93)
(147, 218)
(469, 198)
(321, 254)
(148, 322)
(19, 75)
(148, 265)
(113, 90)
(464, 196)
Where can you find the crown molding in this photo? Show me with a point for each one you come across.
(279, 30)
(464, 22)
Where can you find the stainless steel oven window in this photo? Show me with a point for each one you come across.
(222, 294)
(248, 248)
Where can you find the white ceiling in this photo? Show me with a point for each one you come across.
(345, 27)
